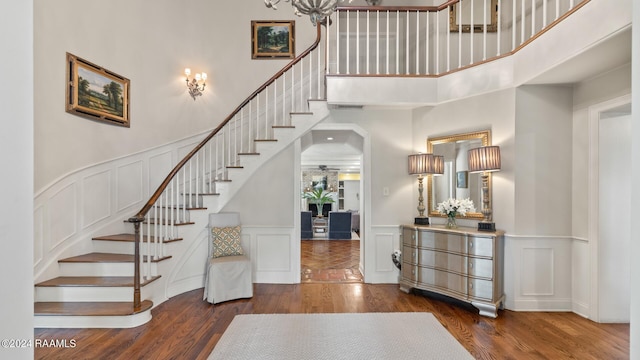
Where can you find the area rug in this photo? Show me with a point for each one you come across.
(351, 336)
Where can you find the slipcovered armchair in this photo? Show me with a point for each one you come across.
(306, 228)
(229, 270)
(339, 225)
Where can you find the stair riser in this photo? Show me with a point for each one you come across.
(88, 293)
(106, 322)
(120, 247)
(100, 269)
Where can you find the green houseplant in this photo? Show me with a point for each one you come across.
(319, 197)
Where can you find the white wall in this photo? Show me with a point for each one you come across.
(614, 180)
(16, 144)
(151, 44)
(267, 197)
(635, 191)
(543, 160)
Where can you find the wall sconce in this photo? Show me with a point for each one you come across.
(424, 164)
(194, 86)
(485, 159)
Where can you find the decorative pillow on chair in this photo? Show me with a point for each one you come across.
(226, 241)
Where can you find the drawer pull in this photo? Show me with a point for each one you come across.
(413, 271)
(470, 285)
(470, 265)
(470, 244)
(414, 254)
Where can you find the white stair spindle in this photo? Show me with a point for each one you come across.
(358, 42)
(426, 47)
(338, 43)
(388, 42)
(459, 38)
(397, 42)
(417, 43)
(368, 39)
(484, 30)
(557, 9)
(406, 50)
(523, 22)
(377, 42)
(471, 32)
(544, 13)
(533, 17)
(513, 26)
(499, 39)
(437, 70)
(348, 43)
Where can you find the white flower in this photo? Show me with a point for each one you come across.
(452, 207)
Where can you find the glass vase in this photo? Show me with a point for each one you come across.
(451, 222)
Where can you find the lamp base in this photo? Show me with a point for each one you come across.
(421, 221)
(486, 226)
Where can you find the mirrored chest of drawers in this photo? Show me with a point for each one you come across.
(462, 263)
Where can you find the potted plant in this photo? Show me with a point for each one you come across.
(319, 197)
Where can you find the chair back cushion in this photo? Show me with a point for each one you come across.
(226, 241)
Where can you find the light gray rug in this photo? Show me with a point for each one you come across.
(365, 336)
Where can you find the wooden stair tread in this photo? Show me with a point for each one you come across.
(249, 153)
(94, 281)
(130, 238)
(265, 140)
(283, 127)
(105, 258)
(89, 308)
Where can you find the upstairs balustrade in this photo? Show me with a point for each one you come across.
(429, 41)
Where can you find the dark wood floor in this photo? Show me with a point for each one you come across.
(330, 261)
(185, 327)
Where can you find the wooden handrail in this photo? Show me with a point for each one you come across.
(401, 8)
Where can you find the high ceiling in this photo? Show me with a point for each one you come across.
(337, 149)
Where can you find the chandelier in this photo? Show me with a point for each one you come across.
(317, 10)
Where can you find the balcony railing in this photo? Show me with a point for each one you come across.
(435, 40)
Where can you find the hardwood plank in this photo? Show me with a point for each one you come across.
(89, 308)
(186, 327)
(131, 238)
(101, 281)
(106, 257)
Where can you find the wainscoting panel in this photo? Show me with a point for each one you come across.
(159, 167)
(38, 235)
(62, 224)
(537, 276)
(538, 273)
(96, 198)
(271, 254)
(378, 247)
(129, 183)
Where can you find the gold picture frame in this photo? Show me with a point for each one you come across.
(272, 39)
(478, 12)
(96, 93)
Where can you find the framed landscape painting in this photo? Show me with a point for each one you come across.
(96, 93)
(272, 39)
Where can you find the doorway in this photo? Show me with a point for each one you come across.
(609, 215)
(332, 158)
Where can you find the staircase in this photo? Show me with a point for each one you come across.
(104, 288)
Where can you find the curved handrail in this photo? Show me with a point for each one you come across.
(139, 217)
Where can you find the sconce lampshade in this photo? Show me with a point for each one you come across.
(486, 158)
(422, 164)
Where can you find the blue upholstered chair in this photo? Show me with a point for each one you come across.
(306, 229)
(339, 225)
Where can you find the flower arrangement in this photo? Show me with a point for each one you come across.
(453, 207)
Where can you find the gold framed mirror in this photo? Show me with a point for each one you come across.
(456, 182)
(461, 13)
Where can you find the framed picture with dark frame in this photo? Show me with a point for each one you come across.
(96, 93)
(272, 39)
(462, 177)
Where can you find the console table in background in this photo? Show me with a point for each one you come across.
(462, 263)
